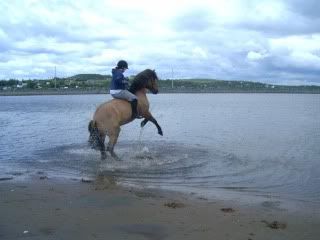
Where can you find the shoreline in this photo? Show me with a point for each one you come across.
(49, 93)
(51, 208)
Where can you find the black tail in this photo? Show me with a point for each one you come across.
(94, 135)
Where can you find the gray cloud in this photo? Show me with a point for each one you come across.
(309, 9)
(294, 17)
(290, 26)
(193, 21)
(273, 41)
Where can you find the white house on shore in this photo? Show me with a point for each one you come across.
(22, 85)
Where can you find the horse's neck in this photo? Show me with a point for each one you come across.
(141, 91)
(142, 95)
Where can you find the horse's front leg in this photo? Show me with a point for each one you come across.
(154, 121)
(144, 122)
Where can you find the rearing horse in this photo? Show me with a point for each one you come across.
(110, 115)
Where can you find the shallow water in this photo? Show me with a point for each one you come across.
(214, 144)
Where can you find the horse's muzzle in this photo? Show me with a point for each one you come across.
(155, 91)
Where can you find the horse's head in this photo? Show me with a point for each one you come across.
(145, 79)
(152, 83)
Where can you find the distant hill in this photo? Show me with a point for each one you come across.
(85, 77)
(212, 85)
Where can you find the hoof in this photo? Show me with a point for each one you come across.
(115, 157)
(93, 145)
(103, 156)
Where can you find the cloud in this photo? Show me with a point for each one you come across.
(255, 56)
(273, 41)
(196, 20)
(308, 8)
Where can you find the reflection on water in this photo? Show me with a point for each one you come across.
(253, 144)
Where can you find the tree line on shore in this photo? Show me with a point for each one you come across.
(97, 82)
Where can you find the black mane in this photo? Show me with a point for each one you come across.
(141, 79)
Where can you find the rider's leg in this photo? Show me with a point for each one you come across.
(134, 105)
(126, 95)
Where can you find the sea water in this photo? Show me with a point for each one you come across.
(214, 144)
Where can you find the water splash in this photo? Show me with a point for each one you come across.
(140, 139)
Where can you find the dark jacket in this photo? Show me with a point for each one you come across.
(118, 80)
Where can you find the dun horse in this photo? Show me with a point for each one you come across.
(110, 115)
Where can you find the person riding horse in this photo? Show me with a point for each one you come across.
(119, 86)
(111, 115)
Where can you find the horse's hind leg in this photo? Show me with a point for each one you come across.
(102, 147)
(113, 138)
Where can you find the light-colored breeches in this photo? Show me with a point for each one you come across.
(125, 94)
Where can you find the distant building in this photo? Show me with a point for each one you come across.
(22, 85)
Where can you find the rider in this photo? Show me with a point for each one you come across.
(119, 85)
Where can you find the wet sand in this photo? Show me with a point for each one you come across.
(45, 208)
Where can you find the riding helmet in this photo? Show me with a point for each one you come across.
(122, 64)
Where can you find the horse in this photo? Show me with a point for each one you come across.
(111, 115)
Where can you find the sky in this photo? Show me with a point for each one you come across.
(271, 41)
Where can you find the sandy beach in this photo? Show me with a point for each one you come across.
(45, 208)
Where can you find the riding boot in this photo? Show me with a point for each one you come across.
(134, 105)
